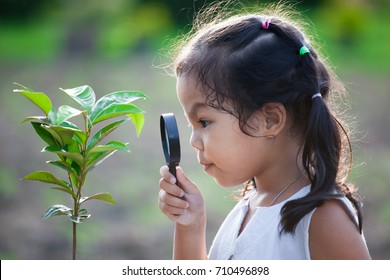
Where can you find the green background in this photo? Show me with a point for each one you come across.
(120, 44)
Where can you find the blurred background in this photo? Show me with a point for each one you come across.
(118, 44)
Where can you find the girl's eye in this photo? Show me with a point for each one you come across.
(204, 123)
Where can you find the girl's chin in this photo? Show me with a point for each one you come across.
(210, 169)
(226, 184)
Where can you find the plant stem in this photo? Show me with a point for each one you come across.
(74, 242)
(79, 186)
(74, 225)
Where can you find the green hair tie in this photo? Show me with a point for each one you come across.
(303, 50)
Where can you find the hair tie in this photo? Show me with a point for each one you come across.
(316, 95)
(303, 50)
(265, 24)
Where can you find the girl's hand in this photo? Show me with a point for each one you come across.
(183, 205)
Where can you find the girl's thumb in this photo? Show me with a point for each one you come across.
(185, 183)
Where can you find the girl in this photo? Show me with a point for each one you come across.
(258, 99)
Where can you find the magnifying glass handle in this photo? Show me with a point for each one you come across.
(172, 170)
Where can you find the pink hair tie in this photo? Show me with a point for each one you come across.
(265, 24)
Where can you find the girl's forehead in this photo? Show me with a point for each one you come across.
(186, 82)
(191, 96)
(189, 90)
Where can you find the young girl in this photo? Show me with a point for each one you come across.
(258, 98)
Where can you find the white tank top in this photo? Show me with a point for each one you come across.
(261, 237)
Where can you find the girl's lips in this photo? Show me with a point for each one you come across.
(206, 167)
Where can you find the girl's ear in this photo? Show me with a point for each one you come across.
(271, 119)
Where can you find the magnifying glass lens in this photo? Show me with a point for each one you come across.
(170, 141)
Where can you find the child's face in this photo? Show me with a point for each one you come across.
(224, 151)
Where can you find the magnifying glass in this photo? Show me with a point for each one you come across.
(170, 141)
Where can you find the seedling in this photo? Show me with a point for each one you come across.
(80, 150)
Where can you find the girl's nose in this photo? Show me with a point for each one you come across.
(196, 142)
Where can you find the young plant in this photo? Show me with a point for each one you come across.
(79, 150)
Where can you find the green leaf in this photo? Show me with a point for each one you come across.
(120, 97)
(66, 112)
(79, 136)
(24, 87)
(69, 191)
(82, 215)
(46, 177)
(110, 146)
(106, 197)
(79, 141)
(95, 139)
(69, 125)
(78, 158)
(64, 165)
(83, 95)
(97, 159)
(75, 180)
(40, 99)
(62, 135)
(73, 148)
(52, 116)
(113, 111)
(79, 219)
(116, 98)
(40, 119)
(44, 134)
(138, 120)
(48, 120)
(57, 210)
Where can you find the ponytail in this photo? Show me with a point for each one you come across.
(322, 156)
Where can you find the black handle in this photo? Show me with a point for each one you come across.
(172, 170)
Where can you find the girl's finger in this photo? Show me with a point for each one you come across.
(164, 172)
(186, 184)
(171, 210)
(172, 200)
(171, 188)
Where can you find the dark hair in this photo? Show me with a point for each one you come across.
(241, 66)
